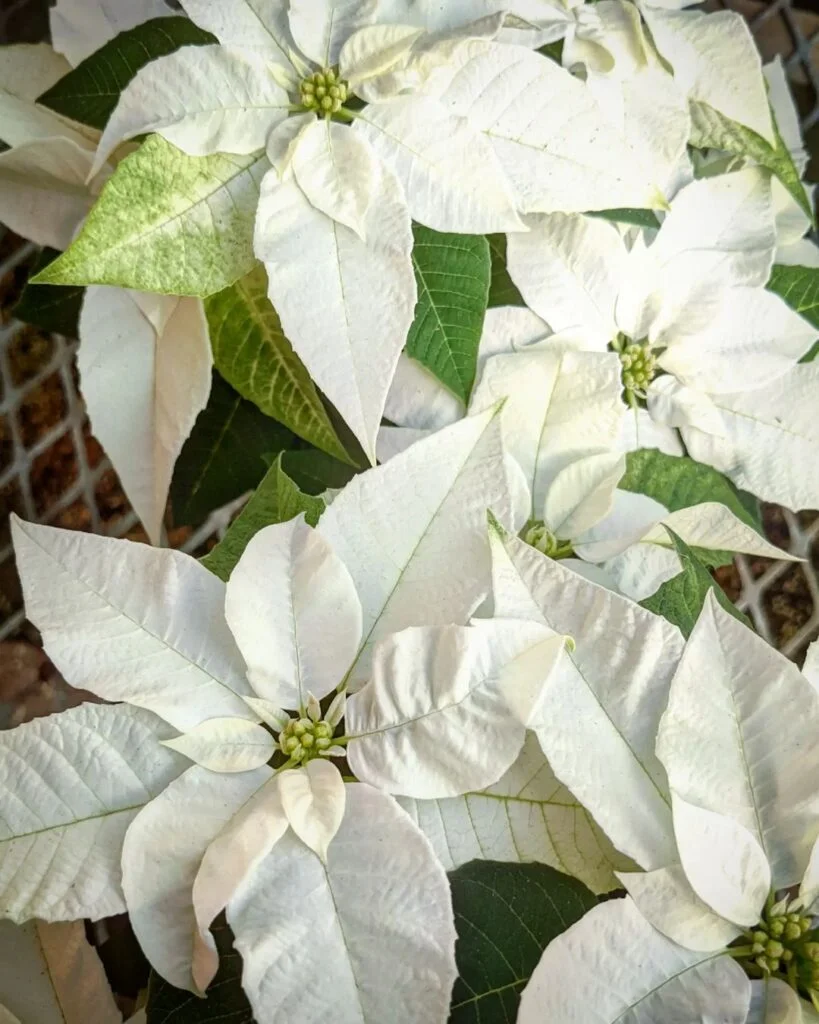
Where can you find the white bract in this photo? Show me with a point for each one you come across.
(447, 138)
(736, 743)
(444, 712)
(144, 360)
(711, 351)
(563, 421)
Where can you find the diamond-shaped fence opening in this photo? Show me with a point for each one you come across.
(52, 470)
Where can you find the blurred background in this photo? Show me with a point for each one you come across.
(53, 470)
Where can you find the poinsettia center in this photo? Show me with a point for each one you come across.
(324, 92)
(783, 944)
(639, 366)
(303, 739)
(539, 536)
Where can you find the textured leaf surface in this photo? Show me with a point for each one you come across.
(322, 942)
(223, 457)
(527, 815)
(412, 532)
(71, 785)
(133, 623)
(799, 287)
(506, 914)
(680, 599)
(253, 355)
(628, 215)
(713, 130)
(453, 275)
(275, 500)
(170, 223)
(90, 92)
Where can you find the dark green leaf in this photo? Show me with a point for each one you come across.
(554, 51)
(712, 130)
(453, 273)
(799, 287)
(226, 1002)
(314, 472)
(222, 459)
(276, 500)
(253, 355)
(680, 482)
(506, 915)
(91, 91)
(50, 307)
(628, 215)
(502, 289)
(680, 599)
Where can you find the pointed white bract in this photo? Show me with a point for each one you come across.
(413, 532)
(71, 785)
(689, 302)
(613, 960)
(314, 799)
(162, 854)
(355, 934)
(527, 815)
(442, 713)
(736, 739)
(590, 689)
(293, 608)
(145, 372)
(133, 623)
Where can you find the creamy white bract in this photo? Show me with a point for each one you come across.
(739, 765)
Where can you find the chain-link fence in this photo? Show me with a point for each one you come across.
(52, 470)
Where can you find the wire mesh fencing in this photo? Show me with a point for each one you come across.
(53, 471)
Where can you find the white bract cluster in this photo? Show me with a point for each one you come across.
(533, 278)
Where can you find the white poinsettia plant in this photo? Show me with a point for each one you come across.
(497, 320)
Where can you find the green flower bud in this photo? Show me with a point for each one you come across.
(760, 936)
(810, 950)
(776, 927)
(324, 92)
(792, 931)
(774, 949)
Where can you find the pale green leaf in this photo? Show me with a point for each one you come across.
(253, 355)
(505, 915)
(681, 598)
(712, 130)
(90, 92)
(453, 274)
(224, 456)
(799, 287)
(169, 223)
(276, 500)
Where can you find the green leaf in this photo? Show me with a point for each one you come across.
(799, 287)
(223, 457)
(712, 130)
(276, 500)
(226, 1002)
(48, 307)
(452, 273)
(253, 355)
(502, 289)
(313, 471)
(91, 91)
(628, 215)
(506, 915)
(169, 223)
(554, 51)
(681, 598)
(680, 482)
